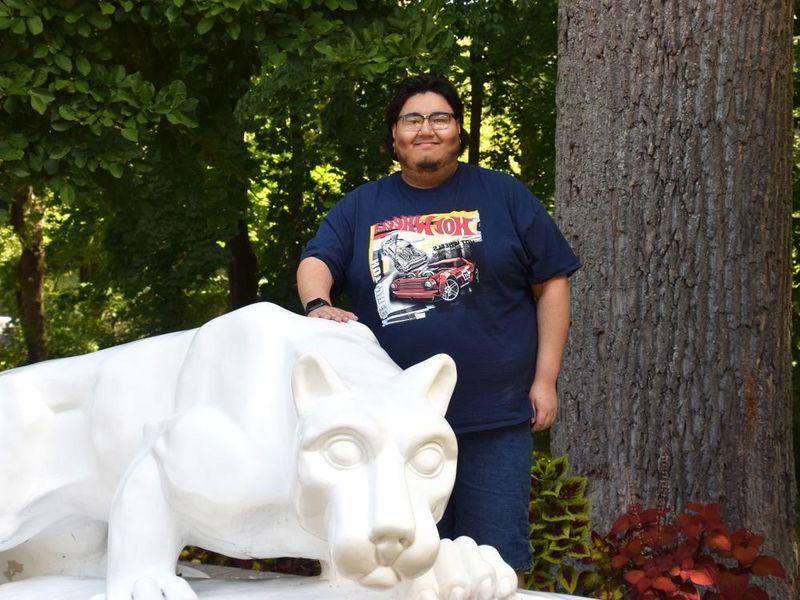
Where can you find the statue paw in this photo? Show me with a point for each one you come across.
(155, 588)
(465, 571)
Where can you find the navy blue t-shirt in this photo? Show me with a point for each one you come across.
(450, 270)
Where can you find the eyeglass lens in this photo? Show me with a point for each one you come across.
(414, 121)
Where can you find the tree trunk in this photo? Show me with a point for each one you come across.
(674, 185)
(477, 93)
(27, 220)
(242, 269)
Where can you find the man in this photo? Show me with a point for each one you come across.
(448, 257)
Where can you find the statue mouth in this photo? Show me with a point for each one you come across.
(381, 577)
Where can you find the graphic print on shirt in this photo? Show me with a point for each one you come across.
(419, 263)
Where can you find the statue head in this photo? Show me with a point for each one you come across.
(375, 466)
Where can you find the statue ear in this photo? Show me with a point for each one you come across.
(313, 378)
(433, 379)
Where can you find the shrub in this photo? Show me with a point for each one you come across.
(559, 523)
(651, 554)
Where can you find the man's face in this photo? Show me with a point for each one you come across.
(427, 149)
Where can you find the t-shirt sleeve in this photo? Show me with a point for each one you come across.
(333, 243)
(547, 252)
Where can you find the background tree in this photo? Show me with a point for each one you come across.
(674, 184)
(56, 71)
(93, 92)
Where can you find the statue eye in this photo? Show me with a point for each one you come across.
(428, 460)
(344, 452)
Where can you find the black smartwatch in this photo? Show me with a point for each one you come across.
(315, 304)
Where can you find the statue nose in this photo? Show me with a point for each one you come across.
(389, 548)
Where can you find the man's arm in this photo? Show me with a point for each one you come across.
(314, 280)
(552, 318)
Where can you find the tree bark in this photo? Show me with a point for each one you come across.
(242, 269)
(673, 183)
(477, 93)
(27, 221)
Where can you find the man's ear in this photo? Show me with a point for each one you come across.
(313, 378)
(433, 379)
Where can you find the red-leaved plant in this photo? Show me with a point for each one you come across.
(688, 556)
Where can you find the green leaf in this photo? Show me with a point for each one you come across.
(82, 86)
(557, 468)
(100, 21)
(106, 8)
(63, 61)
(62, 84)
(51, 166)
(178, 118)
(205, 25)
(579, 551)
(40, 51)
(233, 29)
(60, 152)
(172, 13)
(35, 25)
(277, 59)
(324, 49)
(67, 193)
(40, 100)
(573, 488)
(115, 169)
(568, 578)
(20, 172)
(11, 104)
(18, 27)
(7, 153)
(60, 125)
(67, 113)
(178, 3)
(84, 66)
(348, 4)
(129, 132)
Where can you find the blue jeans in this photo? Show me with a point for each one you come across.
(490, 497)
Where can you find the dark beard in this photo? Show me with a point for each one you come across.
(428, 166)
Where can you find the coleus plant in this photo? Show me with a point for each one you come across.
(652, 554)
(559, 524)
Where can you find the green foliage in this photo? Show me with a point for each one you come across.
(127, 115)
(511, 47)
(70, 103)
(559, 524)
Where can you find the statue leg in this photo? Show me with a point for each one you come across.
(144, 539)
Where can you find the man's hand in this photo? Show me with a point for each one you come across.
(332, 314)
(545, 402)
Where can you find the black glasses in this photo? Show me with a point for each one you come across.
(414, 121)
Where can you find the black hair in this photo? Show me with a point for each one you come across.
(419, 84)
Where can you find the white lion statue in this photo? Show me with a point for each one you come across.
(260, 434)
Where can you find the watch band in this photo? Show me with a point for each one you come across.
(315, 304)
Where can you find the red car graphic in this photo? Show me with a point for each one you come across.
(440, 280)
